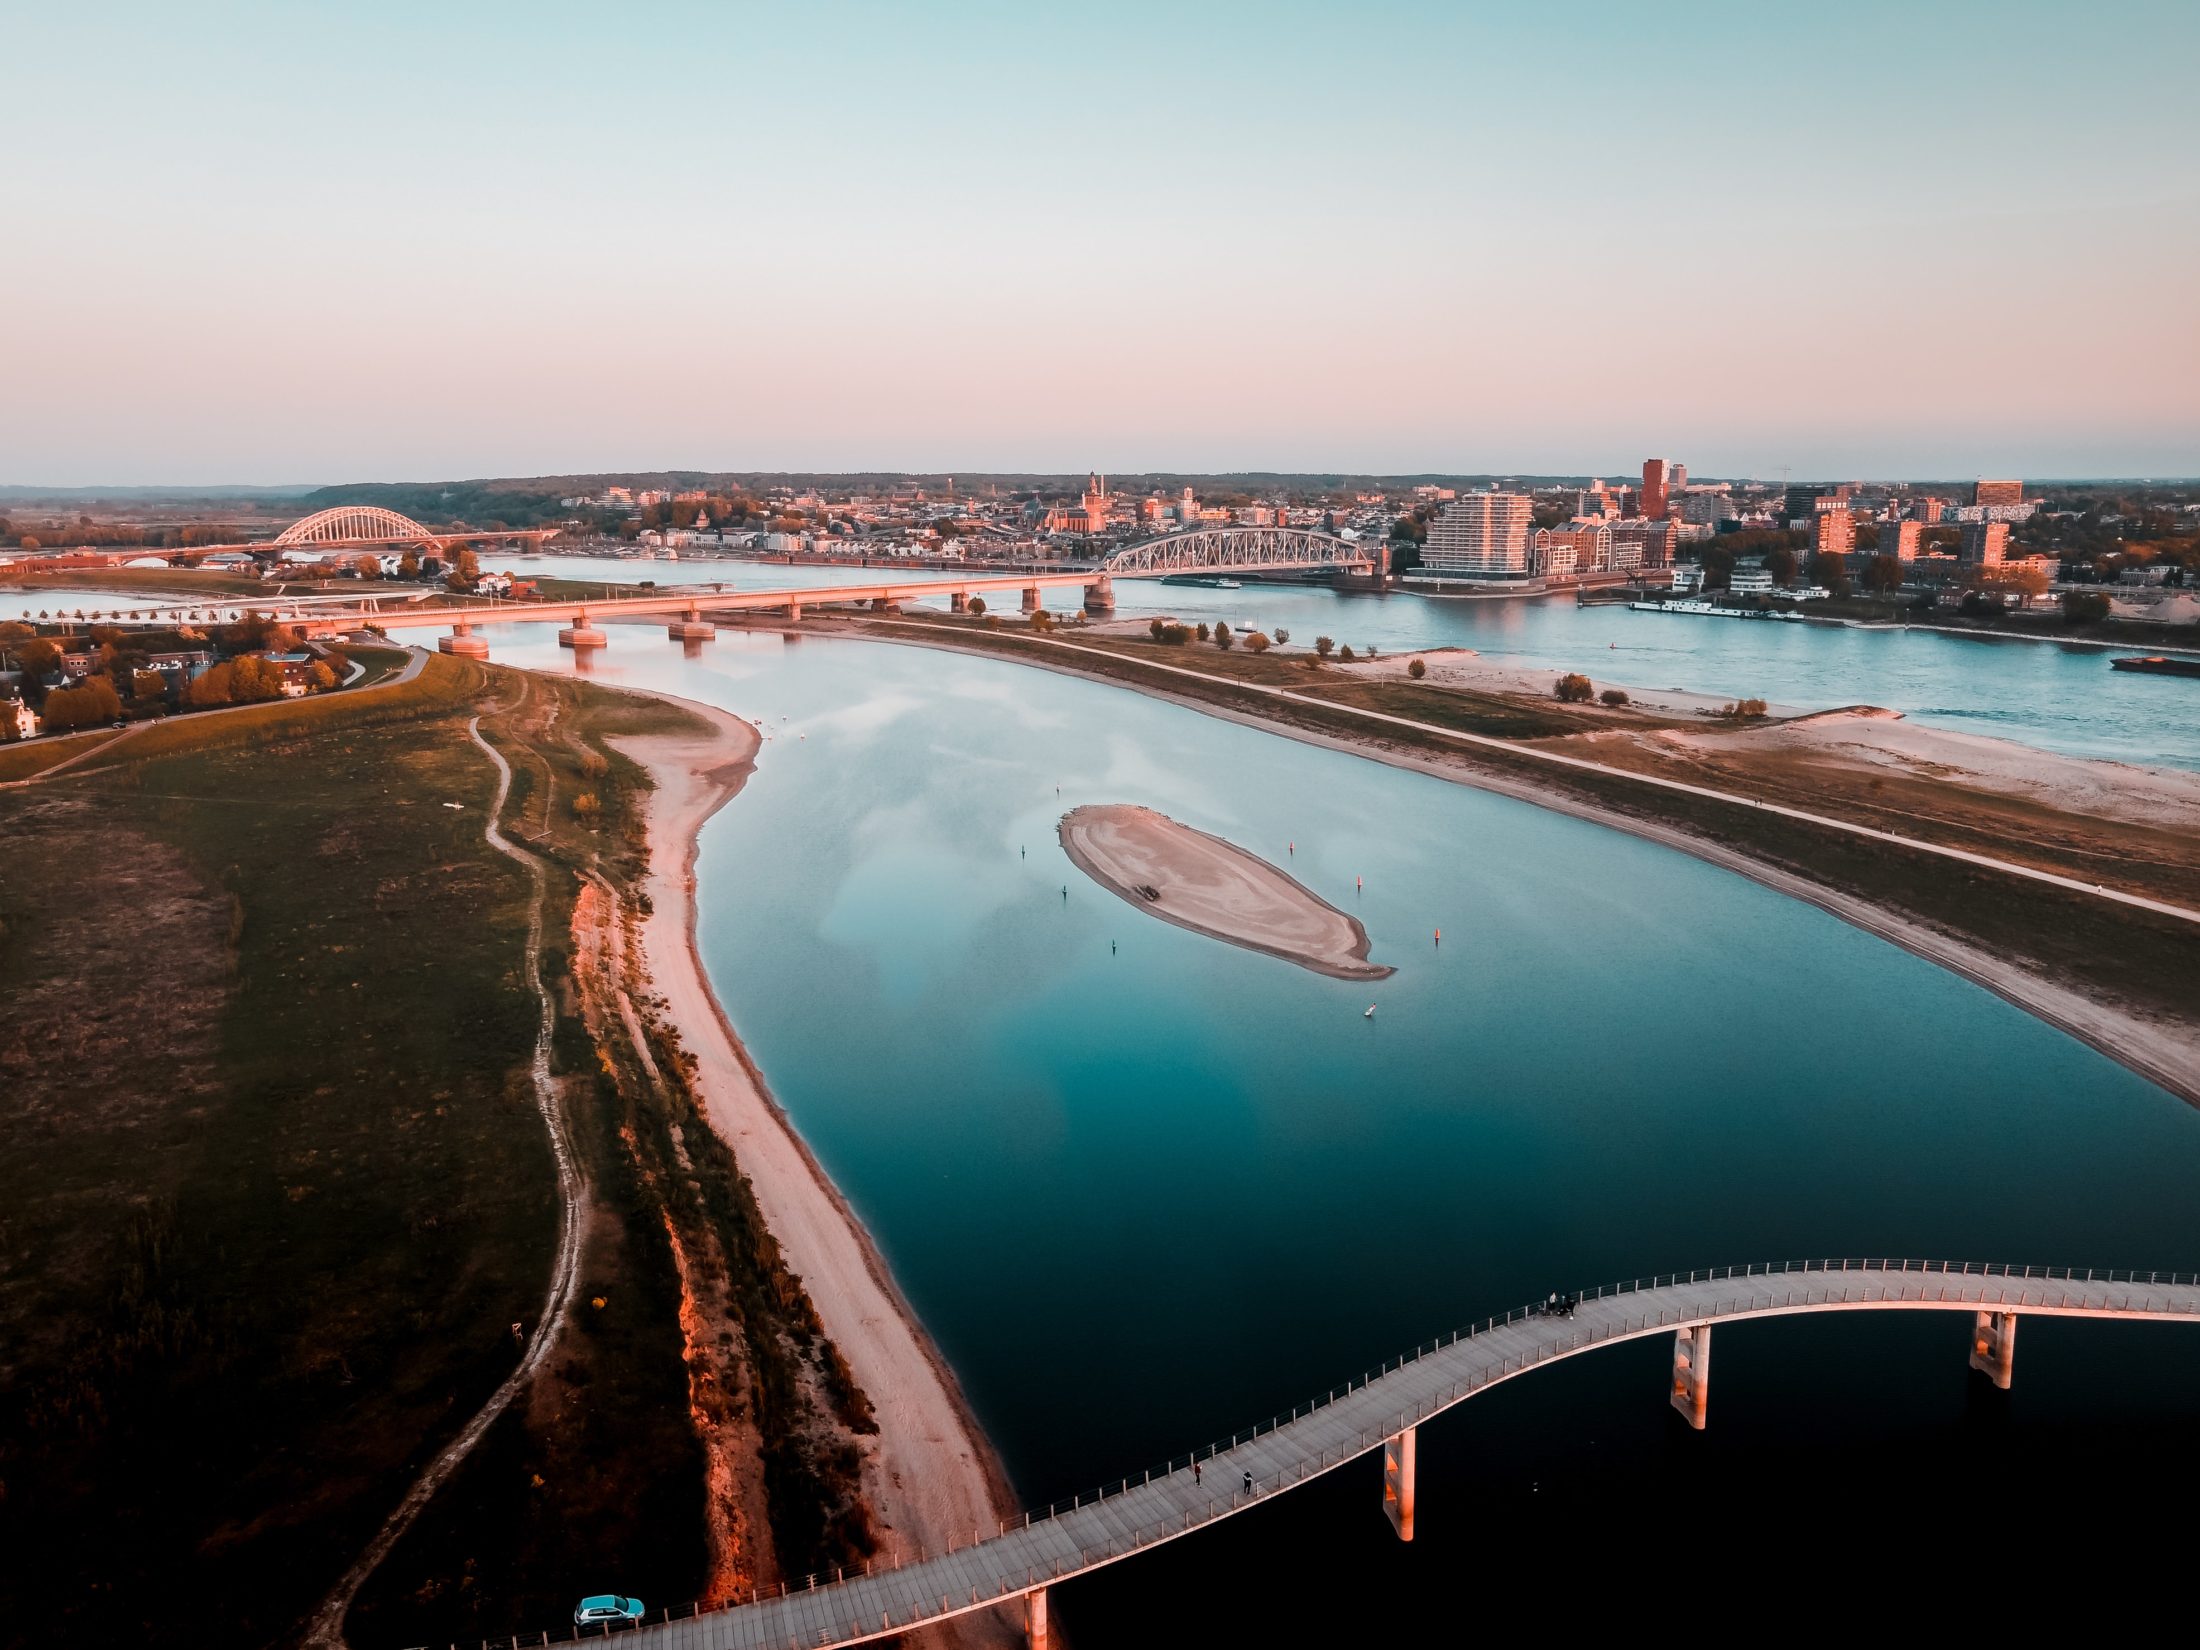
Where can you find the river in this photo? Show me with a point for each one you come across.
(2050, 695)
(2055, 696)
(1145, 1188)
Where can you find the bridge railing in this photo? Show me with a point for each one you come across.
(1367, 1437)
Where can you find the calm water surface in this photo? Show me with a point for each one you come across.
(2058, 697)
(1144, 1187)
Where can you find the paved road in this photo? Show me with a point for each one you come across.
(1342, 1426)
(1513, 747)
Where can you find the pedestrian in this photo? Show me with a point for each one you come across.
(1195, 1472)
(1248, 1483)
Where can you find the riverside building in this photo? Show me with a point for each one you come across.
(1483, 535)
(1985, 543)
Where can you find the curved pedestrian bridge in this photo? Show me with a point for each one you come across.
(1381, 1412)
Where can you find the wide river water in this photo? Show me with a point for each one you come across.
(1145, 1188)
(2056, 696)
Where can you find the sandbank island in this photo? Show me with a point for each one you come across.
(1214, 888)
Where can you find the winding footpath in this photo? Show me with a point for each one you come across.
(326, 1631)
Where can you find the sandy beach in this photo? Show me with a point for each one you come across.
(1216, 888)
(930, 1476)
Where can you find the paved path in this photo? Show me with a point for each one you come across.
(413, 667)
(1128, 1517)
(1514, 747)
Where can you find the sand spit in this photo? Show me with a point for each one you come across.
(1214, 888)
(932, 1478)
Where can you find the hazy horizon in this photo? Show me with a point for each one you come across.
(1389, 238)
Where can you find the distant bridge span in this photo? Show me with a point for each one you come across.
(344, 527)
(1382, 1411)
(1239, 550)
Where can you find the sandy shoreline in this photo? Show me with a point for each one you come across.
(2164, 1054)
(932, 1478)
(1213, 887)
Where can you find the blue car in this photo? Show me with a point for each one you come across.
(607, 1610)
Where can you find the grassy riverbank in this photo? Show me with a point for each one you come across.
(2075, 941)
(280, 1192)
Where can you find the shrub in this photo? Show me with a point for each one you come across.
(1203, 630)
(1345, 654)
(1156, 628)
(977, 607)
(92, 701)
(2084, 607)
(1744, 710)
(1322, 645)
(1282, 635)
(1575, 688)
(1255, 642)
(1613, 697)
(1417, 670)
(1223, 637)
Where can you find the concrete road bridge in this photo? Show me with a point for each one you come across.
(1382, 1411)
(687, 607)
(1232, 549)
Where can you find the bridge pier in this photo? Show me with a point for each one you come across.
(794, 612)
(579, 634)
(958, 601)
(1692, 1372)
(463, 642)
(1398, 1472)
(884, 604)
(1100, 596)
(1031, 598)
(1994, 1346)
(693, 628)
(1035, 1620)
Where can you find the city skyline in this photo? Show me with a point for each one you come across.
(411, 244)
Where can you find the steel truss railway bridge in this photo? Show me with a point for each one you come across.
(1382, 1412)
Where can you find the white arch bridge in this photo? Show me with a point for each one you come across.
(364, 525)
(1240, 550)
(1381, 1411)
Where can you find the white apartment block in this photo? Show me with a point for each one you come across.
(1482, 533)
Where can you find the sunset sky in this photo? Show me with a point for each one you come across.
(289, 243)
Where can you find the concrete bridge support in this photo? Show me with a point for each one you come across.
(1398, 1454)
(1994, 1346)
(1031, 598)
(692, 628)
(794, 612)
(958, 601)
(579, 634)
(1692, 1373)
(1035, 1620)
(1100, 596)
(463, 642)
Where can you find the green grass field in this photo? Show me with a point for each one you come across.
(280, 1190)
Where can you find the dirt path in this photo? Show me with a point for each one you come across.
(327, 1626)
